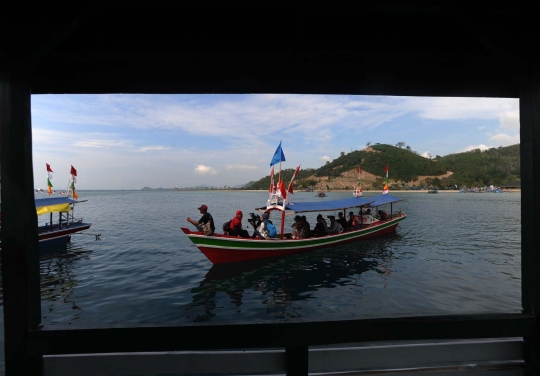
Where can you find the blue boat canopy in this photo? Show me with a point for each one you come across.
(52, 205)
(383, 200)
(318, 206)
(48, 201)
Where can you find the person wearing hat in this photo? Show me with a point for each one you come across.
(206, 217)
(235, 226)
(335, 226)
(321, 228)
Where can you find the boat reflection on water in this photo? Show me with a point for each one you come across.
(58, 280)
(278, 283)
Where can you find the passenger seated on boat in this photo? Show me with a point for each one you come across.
(366, 218)
(382, 215)
(297, 228)
(335, 226)
(307, 227)
(203, 209)
(352, 223)
(321, 228)
(266, 229)
(300, 230)
(235, 227)
(341, 220)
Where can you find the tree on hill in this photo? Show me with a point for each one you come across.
(495, 166)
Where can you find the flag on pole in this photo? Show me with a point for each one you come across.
(49, 177)
(385, 189)
(73, 173)
(282, 190)
(290, 189)
(278, 156)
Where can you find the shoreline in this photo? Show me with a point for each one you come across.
(395, 191)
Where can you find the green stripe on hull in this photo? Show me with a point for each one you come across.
(277, 244)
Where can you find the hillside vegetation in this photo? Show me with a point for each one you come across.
(496, 166)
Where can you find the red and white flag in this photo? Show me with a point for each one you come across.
(73, 173)
(282, 189)
(272, 181)
(49, 177)
(290, 189)
(385, 188)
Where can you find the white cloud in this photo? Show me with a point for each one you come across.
(202, 169)
(503, 139)
(482, 127)
(103, 144)
(509, 120)
(152, 148)
(325, 158)
(241, 167)
(426, 154)
(474, 147)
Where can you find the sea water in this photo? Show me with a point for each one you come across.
(454, 253)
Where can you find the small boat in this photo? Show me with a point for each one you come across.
(357, 191)
(221, 248)
(59, 231)
(321, 194)
(433, 191)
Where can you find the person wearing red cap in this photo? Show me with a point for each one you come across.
(235, 227)
(203, 209)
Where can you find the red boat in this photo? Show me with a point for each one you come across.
(221, 248)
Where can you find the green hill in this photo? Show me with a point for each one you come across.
(495, 166)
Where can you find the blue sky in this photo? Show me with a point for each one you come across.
(121, 141)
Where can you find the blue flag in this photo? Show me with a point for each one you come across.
(278, 156)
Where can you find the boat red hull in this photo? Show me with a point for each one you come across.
(220, 248)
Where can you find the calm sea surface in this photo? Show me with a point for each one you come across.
(455, 253)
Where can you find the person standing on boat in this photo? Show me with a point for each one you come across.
(203, 209)
(235, 227)
(335, 227)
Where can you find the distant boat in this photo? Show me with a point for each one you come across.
(357, 192)
(321, 194)
(58, 232)
(433, 191)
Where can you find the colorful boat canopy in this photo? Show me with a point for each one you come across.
(383, 200)
(316, 206)
(53, 205)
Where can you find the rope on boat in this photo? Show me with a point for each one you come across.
(98, 236)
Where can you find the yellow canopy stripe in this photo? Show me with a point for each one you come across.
(53, 209)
